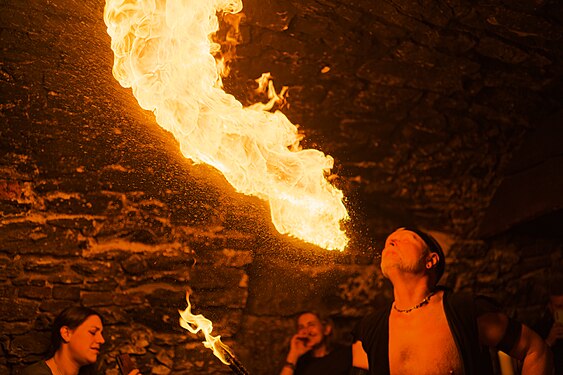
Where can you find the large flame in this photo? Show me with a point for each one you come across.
(199, 323)
(164, 52)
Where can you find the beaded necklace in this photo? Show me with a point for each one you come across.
(417, 306)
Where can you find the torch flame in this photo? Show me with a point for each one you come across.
(196, 323)
(164, 52)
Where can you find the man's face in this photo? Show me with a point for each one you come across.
(310, 328)
(556, 303)
(404, 251)
(85, 341)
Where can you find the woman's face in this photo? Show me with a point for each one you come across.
(85, 341)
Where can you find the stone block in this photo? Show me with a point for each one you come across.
(70, 204)
(11, 266)
(164, 262)
(100, 284)
(125, 298)
(14, 328)
(175, 278)
(83, 224)
(17, 310)
(7, 291)
(91, 299)
(66, 292)
(30, 343)
(194, 358)
(497, 49)
(134, 265)
(225, 258)
(161, 297)
(43, 265)
(98, 268)
(469, 249)
(166, 357)
(114, 315)
(66, 278)
(35, 292)
(234, 298)
(30, 238)
(161, 319)
(55, 306)
(213, 277)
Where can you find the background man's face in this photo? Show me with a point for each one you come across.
(556, 305)
(309, 327)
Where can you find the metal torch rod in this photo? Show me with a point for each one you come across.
(235, 365)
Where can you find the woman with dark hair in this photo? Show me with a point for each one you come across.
(76, 339)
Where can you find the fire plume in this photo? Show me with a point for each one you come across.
(197, 323)
(164, 51)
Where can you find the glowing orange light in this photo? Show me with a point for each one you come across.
(199, 323)
(164, 52)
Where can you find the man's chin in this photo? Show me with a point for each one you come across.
(387, 267)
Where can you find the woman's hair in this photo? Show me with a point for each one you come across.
(71, 317)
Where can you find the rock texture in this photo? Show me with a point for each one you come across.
(422, 104)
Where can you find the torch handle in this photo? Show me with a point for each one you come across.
(235, 366)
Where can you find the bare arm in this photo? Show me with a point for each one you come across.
(359, 356)
(286, 370)
(297, 348)
(530, 348)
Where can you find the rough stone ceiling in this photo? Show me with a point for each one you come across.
(422, 108)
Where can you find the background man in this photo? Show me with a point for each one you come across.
(312, 351)
(550, 327)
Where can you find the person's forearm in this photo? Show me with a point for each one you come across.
(539, 362)
(286, 371)
(288, 367)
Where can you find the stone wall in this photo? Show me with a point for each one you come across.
(127, 255)
(421, 105)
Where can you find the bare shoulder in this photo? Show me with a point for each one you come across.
(359, 356)
(492, 327)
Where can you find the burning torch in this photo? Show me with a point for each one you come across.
(197, 323)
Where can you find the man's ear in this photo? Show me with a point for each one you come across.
(431, 260)
(328, 330)
(66, 333)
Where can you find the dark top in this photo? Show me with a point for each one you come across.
(461, 312)
(542, 328)
(337, 362)
(38, 368)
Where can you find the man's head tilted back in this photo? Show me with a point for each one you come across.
(417, 239)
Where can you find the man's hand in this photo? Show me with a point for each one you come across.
(555, 333)
(135, 372)
(299, 345)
